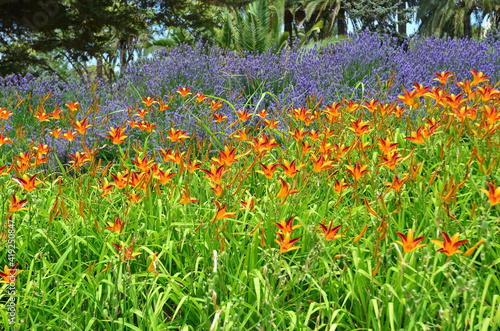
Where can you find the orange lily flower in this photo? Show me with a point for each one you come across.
(420, 89)
(126, 254)
(42, 116)
(78, 160)
(314, 135)
(56, 114)
(442, 77)
(9, 274)
(81, 126)
(227, 157)
(352, 106)
(449, 246)
(192, 166)
(357, 171)
(359, 127)
(417, 137)
(491, 113)
(408, 98)
(249, 203)
(320, 163)
(184, 92)
(177, 135)
(217, 189)
(121, 181)
(152, 265)
(148, 101)
(396, 184)
(5, 114)
(200, 97)
(73, 106)
(333, 112)
(186, 197)
(56, 132)
(286, 227)
(493, 194)
(371, 105)
(216, 105)
(27, 183)
(142, 113)
(286, 244)
(298, 135)
(487, 92)
(214, 174)
(133, 198)
(290, 169)
(478, 77)
(105, 188)
(386, 146)
(330, 233)
(70, 135)
(339, 186)
(221, 212)
(117, 135)
(391, 160)
(271, 124)
(16, 204)
(219, 118)
(4, 140)
(116, 226)
(41, 149)
(263, 113)
(243, 115)
(144, 164)
(242, 135)
(163, 176)
(268, 171)
(409, 243)
(285, 191)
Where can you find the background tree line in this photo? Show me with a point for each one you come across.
(95, 37)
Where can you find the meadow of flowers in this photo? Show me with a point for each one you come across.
(188, 212)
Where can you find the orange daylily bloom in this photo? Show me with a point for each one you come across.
(176, 157)
(143, 163)
(244, 115)
(70, 135)
(339, 186)
(227, 158)
(357, 171)
(117, 135)
(214, 174)
(27, 183)
(360, 127)
(391, 160)
(184, 92)
(121, 181)
(286, 227)
(487, 93)
(491, 114)
(200, 97)
(177, 135)
(314, 135)
(286, 244)
(420, 89)
(81, 126)
(268, 171)
(442, 77)
(285, 191)
(417, 137)
(78, 160)
(56, 132)
(116, 226)
(148, 101)
(142, 113)
(461, 113)
(478, 77)
(133, 198)
(409, 243)
(16, 204)
(333, 111)
(396, 184)
(386, 146)
(73, 106)
(249, 203)
(217, 189)
(4, 140)
(298, 135)
(219, 118)
(320, 163)
(216, 105)
(340, 151)
(352, 106)
(371, 105)
(186, 197)
(330, 233)
(152, 265)
(290, 169)
(126, 254)
(449, 246)
(263, 144)
(5, 114)
(42, 116)
(263, 113)
(42, 149)
(9, 274)
(241, 135)
(56, 114)
(493, 194)
(271, 124)
(221, 212)
(408, 98)
(192, 166)
(163, 177)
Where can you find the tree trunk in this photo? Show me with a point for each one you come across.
(288, 25)
(467, 25)
(401, 17)
(341, 22)
(98, 71)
